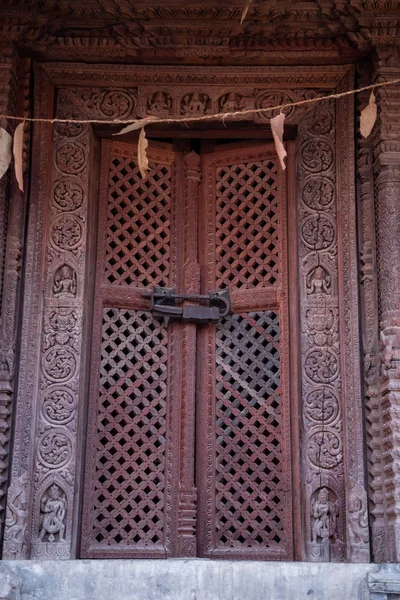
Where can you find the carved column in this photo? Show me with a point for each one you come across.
(189, 285)
(370, 321)
(14, 98)
(386, 144)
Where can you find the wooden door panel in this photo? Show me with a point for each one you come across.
(243, 414)
(131, 466)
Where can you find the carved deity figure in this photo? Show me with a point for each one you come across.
(160, 104)
(53, 508)
(324, 514)
(231, 102)
(64, 282)
(318, 282)
(390, 351)
(194, 104)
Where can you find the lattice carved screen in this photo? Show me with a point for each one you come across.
(129, 466)
(139, 497)
(245, 467)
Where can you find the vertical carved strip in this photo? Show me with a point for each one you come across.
(386, 143)
(16, 538)
(357, 531)
(369, 316)
(191, 285)
(322, 388)
(9, 267)
(64, 292)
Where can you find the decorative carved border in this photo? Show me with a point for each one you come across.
(331, 458)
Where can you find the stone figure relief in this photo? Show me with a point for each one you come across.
(160, 104)
(319, 281)
(65, 282)
(231, 102)
(324, 514)
(195, 104)
(53, 509)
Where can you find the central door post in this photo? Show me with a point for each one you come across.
(189, 165)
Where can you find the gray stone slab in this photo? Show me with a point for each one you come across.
(190, 579)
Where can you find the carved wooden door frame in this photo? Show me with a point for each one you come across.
(50, 410)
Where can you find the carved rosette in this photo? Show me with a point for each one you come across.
(322, 413)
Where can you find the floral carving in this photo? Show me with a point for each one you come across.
(195, 104)
(17, 511)
(68, 130)
(160, 104)
(55, 448)
(66, 232)
(116, 103)
(324, 449)
(53, 508)
(59, 406)
(71, 158)
(322, 406)
(318, 232)
(318, 122)
(317, 155)
(68, 195)
(272, 98)
(318, 193)
(65, 282)
(59, 363)
(321, 365)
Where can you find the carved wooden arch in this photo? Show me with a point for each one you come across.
(52, 384)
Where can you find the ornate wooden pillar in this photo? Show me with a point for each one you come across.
(386, 145)
(14, 98)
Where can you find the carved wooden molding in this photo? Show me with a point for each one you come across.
(52, 384)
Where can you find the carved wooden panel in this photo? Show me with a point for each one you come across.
(56, 279)
(127, 507)
(244, 453)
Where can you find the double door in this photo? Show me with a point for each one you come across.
(188, 449)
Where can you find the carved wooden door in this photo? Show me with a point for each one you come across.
(188, 449)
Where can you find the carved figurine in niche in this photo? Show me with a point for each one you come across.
(318, 281)
(231, 102)
(195, 104)
(65, 282)
(53, 509)
(159, 104)
(324, 515)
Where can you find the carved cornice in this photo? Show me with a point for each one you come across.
(147, 30)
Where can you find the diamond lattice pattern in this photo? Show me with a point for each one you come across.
(138, 225)
(247, 224)
(131, 438)
(248, 490)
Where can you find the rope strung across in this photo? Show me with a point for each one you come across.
(223, 116)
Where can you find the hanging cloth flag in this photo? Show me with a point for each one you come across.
(5, 151)
(18, 147)
(245, 11)
(368, 116)
(277, 132)
(137, 125)
(142, 160)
